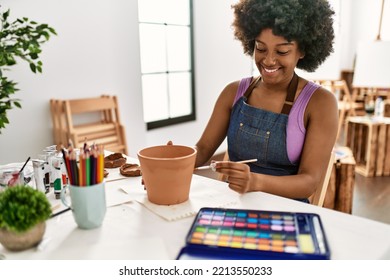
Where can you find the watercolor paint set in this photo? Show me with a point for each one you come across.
(219, 233)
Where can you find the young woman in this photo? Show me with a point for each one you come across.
(284, 121)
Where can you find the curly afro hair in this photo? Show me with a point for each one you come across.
(309, 22)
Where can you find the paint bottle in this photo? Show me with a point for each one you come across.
(39, 174)
(379, 107)
(57, 176)
(46, 172)
(50, 153)
(64, 173)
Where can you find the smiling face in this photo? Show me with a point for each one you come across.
(275, 57)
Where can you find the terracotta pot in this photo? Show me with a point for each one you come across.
(22, 241)
(167, 172)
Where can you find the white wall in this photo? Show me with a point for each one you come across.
(97, 51)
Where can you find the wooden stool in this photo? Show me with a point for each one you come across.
(339, 195)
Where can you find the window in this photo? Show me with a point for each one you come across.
(165, 28)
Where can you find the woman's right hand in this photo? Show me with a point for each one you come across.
(238, 175)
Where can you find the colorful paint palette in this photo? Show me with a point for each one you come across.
(255, 234)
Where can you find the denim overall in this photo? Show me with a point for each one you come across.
(261, 134)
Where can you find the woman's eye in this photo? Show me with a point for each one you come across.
(282, 53)
(260, 50)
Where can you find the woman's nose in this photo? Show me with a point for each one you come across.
(269, 59)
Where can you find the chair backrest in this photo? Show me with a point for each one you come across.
(318, 197)
(347, 103)
(58, 121)
(89, 120)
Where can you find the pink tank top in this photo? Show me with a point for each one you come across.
(296, 130)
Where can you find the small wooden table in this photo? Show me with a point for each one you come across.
(369, 140)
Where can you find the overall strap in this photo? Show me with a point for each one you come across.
(251, 86)
(291, 90)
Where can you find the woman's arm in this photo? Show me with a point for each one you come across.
(216, 129)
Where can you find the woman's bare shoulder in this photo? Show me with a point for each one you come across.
(229, 92)
(325, 97)
(232, 86)
(322, 103)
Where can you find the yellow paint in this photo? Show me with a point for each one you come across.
(306, 243)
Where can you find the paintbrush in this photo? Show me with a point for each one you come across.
(60, 212)
(212, 165)
(24, 165)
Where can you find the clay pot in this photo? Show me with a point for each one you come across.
(167, 172)
(22, 241)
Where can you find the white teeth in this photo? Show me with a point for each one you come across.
(270, 70)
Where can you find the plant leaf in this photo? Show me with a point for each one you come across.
(33, 67)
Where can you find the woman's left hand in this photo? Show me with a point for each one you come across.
(238, 175)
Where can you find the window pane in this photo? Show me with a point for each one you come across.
(153, 48)
(155, 97)
(166, 61)
(168, 11)
(180, 94)
(179, 55)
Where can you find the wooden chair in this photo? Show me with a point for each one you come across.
(318, 197)
(58, 121)
(347, 103)
(89, 120)
(386, 108)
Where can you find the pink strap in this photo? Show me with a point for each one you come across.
(244, 84)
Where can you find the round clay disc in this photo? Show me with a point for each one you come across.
(130, 170)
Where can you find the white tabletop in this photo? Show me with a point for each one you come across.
(132, 231)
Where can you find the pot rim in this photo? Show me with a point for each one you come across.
(194, 151)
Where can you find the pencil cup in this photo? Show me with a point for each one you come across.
(88, 204)
(167, 172)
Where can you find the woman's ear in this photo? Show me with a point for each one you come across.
(302, 53)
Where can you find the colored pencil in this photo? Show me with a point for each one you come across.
(82, 169)
(93, 162)
(87, 170)
(73, 163)
(67, 165)
(100, 169)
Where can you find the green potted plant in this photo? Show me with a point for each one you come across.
(20, 38)
(23, 215)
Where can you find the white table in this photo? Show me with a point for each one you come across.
(132, 231)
